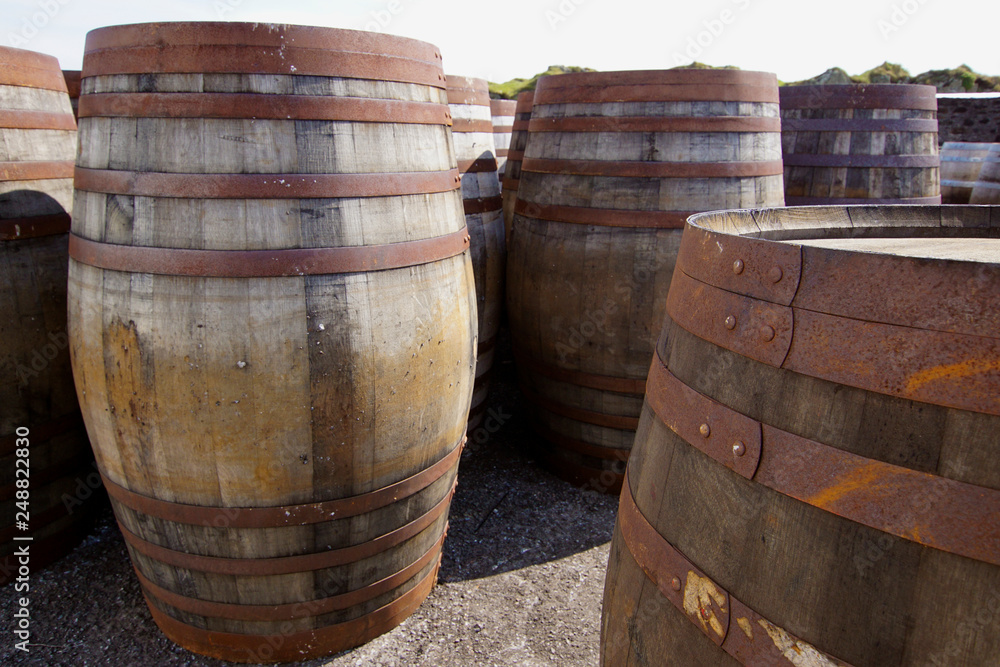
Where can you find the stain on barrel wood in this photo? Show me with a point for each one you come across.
(54, 495)
(272, 324)
(504, 112)
(816, 470)
(986, 189)
(614, 163)
(512, 169)
(860, 144)
(960, 165)
(473, 132)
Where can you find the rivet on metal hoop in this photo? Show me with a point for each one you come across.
(775, 274)
(705, 430)
(738, 267)
(730, 322)
(739, 449)
(767, 332)
(675, 584)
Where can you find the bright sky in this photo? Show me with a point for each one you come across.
(503, 39)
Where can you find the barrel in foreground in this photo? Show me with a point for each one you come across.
(272, 323)
(815, 471)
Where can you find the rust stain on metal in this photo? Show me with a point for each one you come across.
(796, 651)
(699, 595)
(862, 478)
(951, 372)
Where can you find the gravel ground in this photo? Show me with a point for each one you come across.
(521, 580)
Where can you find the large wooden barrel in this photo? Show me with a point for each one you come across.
(503, 112)
(72, 77)
(960, 164)
(512, 169)
(45, 459)
(986, 189)
(816, 475)
(615, 162)
(272, 324)
(472, 129)
(860, 144)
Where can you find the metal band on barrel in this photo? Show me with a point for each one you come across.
(482, 205)
(16, 119)
(673, 573)
(290, 515)
(238, 59)
(36, 171)
(581, 447)
(889, 498)
(825, 201)
(33, 77)
(885, 161)
(879, 96)
(466, 125)
(266, 263)
(260, 105)
(621, 422)
(477, 166)
(655, 124)
(468, 96)
(287, 564)
(616, 384)
(295, 610)
(693, 92)
(299, 645)
(263, 186)
(604, 217)
(638, 169)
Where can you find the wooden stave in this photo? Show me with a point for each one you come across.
(484, 219)
(512, 167)
(890, 181)
(986, 189)
(948, 437)
(453, 272)
(960, 165)
(534, 233)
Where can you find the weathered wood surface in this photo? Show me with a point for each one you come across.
(37, 147)
(477, 158)
(960, 165)
(885, 136)
(593, 244)
(986, 189)
(512, 168)
(863, 595)
(227, 394)
(504, 113)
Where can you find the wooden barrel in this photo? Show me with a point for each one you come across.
(986, 189)
(815, 479)
(503, 112)
(272, 324)
(512, 169)
(73, 87)
(615, 162)
(860, 144)
(45, 458)
(960, 164)
(472, 129)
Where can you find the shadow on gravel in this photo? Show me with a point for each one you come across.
(508, 512)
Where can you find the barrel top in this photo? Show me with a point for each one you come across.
(264, 48)
(466, 83)
(860, 96)
(30, 69)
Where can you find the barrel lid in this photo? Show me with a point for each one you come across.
(260, 48)
(30, 69)
(860, 96)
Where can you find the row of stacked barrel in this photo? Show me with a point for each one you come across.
(603, 170)
(970, 173)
